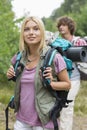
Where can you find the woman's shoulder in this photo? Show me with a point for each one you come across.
(59, 58)
(59, 63)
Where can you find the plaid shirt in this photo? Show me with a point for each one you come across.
(77, 41)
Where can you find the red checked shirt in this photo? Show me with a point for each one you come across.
(77, 41)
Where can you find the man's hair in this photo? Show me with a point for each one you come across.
(64, 20)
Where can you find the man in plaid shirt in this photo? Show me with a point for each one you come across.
(66, 28)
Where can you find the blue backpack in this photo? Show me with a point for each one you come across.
(62, 45)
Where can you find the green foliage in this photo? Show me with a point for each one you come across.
(80, 21)
(49, 24)
(81, 100)
(72, 6)
(77, 9)
(9, 36)
(6, 91)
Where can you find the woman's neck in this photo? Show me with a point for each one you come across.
(33, 51)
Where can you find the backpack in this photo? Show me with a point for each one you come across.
(82, 67)
(58, 46)
(61, 46)
(65, 48)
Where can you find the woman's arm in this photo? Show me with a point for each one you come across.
(62, 84)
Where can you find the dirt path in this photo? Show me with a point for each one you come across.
(80, 122)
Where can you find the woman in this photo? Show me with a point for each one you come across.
(32, 100)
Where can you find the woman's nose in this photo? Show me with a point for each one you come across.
(31, 31)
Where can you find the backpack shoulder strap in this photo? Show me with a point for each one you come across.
(17, 64)
(49, 56)
(48, 60)
(18, 58)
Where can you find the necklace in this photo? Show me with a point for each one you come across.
(32, 62)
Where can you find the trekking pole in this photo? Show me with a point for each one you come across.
(6, 114)
(11, 105)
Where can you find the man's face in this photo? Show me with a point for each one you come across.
(63, 29)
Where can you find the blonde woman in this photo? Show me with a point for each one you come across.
(32, 101)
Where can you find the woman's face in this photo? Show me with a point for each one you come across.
(32, 34)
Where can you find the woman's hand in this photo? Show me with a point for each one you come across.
(10, 72)
(48, 74)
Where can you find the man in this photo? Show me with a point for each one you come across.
(66, 28)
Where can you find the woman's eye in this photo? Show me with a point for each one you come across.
(36, 28)
(26, 29)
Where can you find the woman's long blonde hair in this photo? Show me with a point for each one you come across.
(22, 45)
